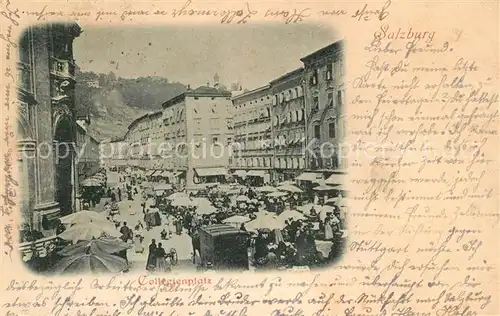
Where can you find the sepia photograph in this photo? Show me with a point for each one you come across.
(181, 148)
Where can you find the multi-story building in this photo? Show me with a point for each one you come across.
(113, 152)
(252, 156)
(155, 139)
(46, 128)
(143, 138)
(325, 101)
(88, 158)
(289, 128)
(197, 127)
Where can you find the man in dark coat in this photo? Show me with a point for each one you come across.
(126, 232)
(119, 194)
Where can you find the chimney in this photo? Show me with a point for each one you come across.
(189, 87)
(208, 83)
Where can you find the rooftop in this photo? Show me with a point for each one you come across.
(202, 91)
(289, 75)
(338, 45)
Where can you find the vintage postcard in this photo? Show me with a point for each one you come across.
(249, 158)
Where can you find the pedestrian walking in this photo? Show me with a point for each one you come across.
(151, 263)
(161, 261)
(139, 248)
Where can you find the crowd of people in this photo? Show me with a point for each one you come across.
(293, 244)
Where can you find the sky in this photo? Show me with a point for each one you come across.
(250, 54)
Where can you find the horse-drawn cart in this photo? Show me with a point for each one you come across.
(223, 247)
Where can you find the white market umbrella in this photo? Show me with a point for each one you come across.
(162, 187)
(88, 231)
(206, 210)
(290, 188)
(177, 195)
(266, 188)
(291, 214)
(236, 219)
(288, 182)
(265, 222)
(183, 201)
(243, 198)
(84, 217)
(201, 201)
(324, 188)
(277, 194)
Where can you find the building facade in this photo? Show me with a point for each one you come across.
(88, 157)
(198, 131)
(325, 102)
(113, 152)
(155, 139)
(289, 127)
(46, 127)
(252, 155)
(142, 140)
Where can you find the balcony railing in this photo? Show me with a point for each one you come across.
(41, 246)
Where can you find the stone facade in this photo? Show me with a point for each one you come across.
(142, 139)
(198, 127)
(89, 160)
(252, 154)
(289, 127)
(113, 152)
(46, 130)
(325, 102)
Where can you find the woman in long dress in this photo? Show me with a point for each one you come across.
(161, 261)
(151, 263)
(168, 226)
(328, 227)
(139, 238)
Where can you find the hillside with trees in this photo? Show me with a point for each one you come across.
(115, 102)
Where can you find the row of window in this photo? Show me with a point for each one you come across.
(174, 134)
(172, 116)
(252, 115)
(214, 124)
(332, 162)
(290, 117)
(255, 102)
(288, 95)
(332, 70)
(264, 162)
(332, 130)
(197, 112)
(267, 162)
(252, 129)
(330, 102)
(290, 139)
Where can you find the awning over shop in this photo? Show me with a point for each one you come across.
(207, 172)
(240, 173)
(336, 179)
(256, 173)
(310, 176)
